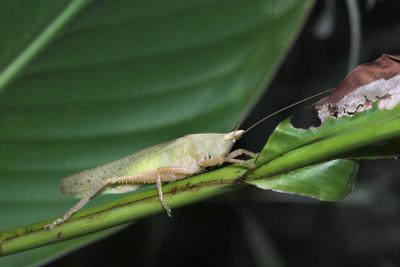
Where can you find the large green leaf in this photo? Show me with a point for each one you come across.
(85, 83)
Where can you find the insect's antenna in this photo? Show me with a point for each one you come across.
(253, 93)
(285, 108)
(248, 104)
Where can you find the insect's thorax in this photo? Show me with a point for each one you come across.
(183, 152)
(209, 145)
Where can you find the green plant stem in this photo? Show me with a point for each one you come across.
(141, 204)
(184, 192)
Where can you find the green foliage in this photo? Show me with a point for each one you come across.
(301, 161)
(331, 180)
(83, 83)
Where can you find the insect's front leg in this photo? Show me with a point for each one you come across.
(238, 152)
(231, 158)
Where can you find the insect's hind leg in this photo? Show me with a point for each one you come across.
(99, 187)
(77, 206)
(163, 173)
(169, 174)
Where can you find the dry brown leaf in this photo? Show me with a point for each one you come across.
(367, 83)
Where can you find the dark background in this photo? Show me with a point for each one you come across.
(251, 227)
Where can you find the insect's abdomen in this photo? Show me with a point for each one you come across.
(79, 184)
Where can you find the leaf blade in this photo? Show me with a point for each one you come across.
(328, 181)
(38, 43)
(105, 87)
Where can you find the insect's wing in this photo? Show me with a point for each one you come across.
(79, 184)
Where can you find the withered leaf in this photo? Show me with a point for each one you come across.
(379, 80)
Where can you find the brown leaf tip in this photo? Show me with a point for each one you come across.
(367, 83)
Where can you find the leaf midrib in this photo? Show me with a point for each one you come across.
(40, 41)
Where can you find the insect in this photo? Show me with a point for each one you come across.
(165, 162)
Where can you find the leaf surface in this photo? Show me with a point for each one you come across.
(329, 181)
(91, 82)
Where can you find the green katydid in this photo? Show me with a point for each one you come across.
(173, 160)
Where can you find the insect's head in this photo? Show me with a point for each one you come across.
(233, 136)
